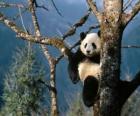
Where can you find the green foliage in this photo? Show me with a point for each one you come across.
(77, 108)
(24, 95)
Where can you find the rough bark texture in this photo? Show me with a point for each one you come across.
(111, 29)
(54, 105)
(51, 60)
(113, 91)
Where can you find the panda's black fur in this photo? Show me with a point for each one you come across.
(90, 82)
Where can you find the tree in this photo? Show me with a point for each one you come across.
(24, 94)
(131, 106)
(112, 20)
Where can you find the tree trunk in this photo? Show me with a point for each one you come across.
(111, 28)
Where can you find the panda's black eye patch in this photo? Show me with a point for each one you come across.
(85, 45)
(93, 45)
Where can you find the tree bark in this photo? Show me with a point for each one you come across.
(112, 91)
(111, 28)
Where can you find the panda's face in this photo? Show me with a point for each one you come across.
(89, 44)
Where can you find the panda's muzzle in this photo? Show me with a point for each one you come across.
(88, 51)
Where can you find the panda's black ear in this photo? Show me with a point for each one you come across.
(99, 33)
(82, 35)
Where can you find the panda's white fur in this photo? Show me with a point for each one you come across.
(89, 39)
(87, 67)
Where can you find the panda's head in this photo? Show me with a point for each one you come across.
(90, 43)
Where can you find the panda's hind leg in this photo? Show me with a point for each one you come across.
(90, 90)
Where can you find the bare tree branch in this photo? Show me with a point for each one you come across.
(136, 80)
(127, 4)
(18, 15)
(80, 22)
(5, 5)
(127, 88)
(47, 85)
(34, 17)
(56, 42)
(92, 27)
(22, 22)
(94, 9)
(126, 18)
(51, 60)
(57, 10)
(130, 46)
(40, 6)
(10, 24)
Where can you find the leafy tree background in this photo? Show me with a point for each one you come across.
(24, 94)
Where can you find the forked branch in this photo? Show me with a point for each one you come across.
(127, 17)
(58, 43)
(127, 88)
(94, 9)
(79, 23)
(51, 60)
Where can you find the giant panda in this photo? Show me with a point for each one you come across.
(84, 65)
